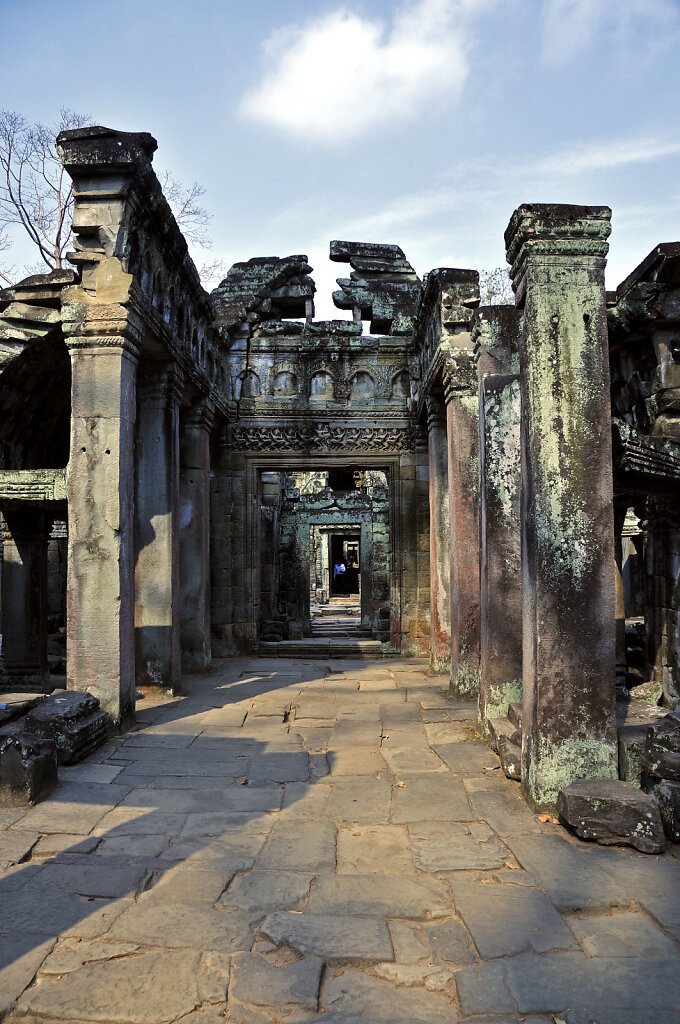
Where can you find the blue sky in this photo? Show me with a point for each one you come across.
(424, 122)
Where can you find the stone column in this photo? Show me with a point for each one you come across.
(221, 534)
(194, 536)
(662, 592)
(24, 599)
(621, 666)
(462, 428)
(558, 255)
(495, 338)
(440, 530)
(157, 585)
(101, 487)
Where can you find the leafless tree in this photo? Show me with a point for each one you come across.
(36, 197)
(495, 287)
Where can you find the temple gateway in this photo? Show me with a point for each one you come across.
(189, 475)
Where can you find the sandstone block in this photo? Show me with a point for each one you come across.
(662, 748)
(667, 796)
(28, 769)
(631, 749)
(611, 812)
(73, 721)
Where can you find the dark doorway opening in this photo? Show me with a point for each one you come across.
(345, 560)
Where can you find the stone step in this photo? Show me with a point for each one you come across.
(500, 727)
(511, 758)
(322, 648)
(515, 715)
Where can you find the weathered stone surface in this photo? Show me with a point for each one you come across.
(622, 935)
(259, 991)
(667, 796)
(571, 880)
(28, 769)
(430, 797)
(374, 849)
(107, 991)
(509, 920)
(611, 812)
(632, 740)
(371, 895)
(300, 846)
(355, 993)
(662, 748)
(73, 721)
(337, 939)
(451, 846)
(21, 954)
(180, 924)
(268, 890)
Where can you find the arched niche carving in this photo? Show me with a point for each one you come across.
(362, 387)
(322, 386)
(285, 384)
(400, 387)
(247, 386)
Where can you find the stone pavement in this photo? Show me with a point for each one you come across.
(298, 841)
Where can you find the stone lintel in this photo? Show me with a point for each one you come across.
(31, 486)
(97, 148)
(540, 233)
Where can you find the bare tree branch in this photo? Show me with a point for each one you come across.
(495, 287)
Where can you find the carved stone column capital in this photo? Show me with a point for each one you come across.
(544, 234)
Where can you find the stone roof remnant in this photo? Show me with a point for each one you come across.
(383, 286)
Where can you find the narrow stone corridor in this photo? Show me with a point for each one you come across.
(298, 840)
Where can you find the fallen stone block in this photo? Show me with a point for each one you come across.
(612, 812)
(28, 769)
(73, 721)
(662, 748)
(632, 739)
(667, 796)
(14, 705)
(500, 727)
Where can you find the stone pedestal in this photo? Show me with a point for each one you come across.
(194, 534)
(462, 429)
(440, 545)
(24, 599)
(495, 338)
(662, 597)
(569, 731)
(101, 487)
(157, 589)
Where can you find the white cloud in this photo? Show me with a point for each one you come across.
(335, 78)
(569, 27)
(605, 156)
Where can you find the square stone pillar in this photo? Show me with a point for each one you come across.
(462, 429)
(558, 255)
(194, 536)
(495, 338)
(101, 488)
(440, 531)
(157, 583)
(662, 597)
(24, 599)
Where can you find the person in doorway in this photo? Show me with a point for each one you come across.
(338, 569)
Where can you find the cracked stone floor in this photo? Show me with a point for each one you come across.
(298, 841)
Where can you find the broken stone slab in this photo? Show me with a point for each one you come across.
(73, 721)
(259, 991)
(612, 812)
(28, 769)
(515, 717)
(632, 740)
(662, 748)
(667, 796)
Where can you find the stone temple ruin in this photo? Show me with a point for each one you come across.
(183, 472)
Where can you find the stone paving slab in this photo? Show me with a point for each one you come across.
(401, 878)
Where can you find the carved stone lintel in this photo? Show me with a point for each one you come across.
(321, 437)
(202, 415)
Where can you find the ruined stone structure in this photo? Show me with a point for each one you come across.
(188, 458)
